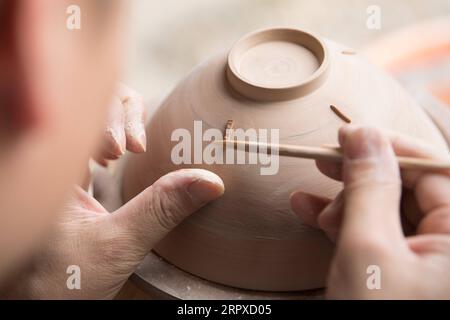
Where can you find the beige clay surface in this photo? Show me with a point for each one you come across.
(249, 238)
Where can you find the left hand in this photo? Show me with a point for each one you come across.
(107, 247)
(125, 127)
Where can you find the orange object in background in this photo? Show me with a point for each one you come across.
(419, 57)
(442, 92)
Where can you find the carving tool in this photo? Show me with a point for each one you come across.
(330, 153)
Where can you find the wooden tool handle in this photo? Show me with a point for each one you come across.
(330, 153)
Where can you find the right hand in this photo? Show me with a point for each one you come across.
(365, 219)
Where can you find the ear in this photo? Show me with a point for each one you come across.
(18, 109)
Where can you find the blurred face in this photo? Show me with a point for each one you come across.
(55, 86)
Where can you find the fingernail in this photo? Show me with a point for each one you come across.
(207, 187)
(143, 142)
(136, 139)
(118, 143)
(362, 143)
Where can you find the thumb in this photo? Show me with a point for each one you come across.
(151, 215)
(372, 186)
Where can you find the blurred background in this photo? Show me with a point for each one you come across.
(168, 38)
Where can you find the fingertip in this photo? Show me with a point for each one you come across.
(295, 200)
(143, 141)
(205, 191)
(332, 170)
(202, 185)
(308, 207)
(115, 141)
(344, 131)
(365, 142)
(102, 162)
(135, 124)
(137, 143)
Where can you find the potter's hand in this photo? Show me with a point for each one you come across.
(108, 247)
(125, 128)
(365, 220)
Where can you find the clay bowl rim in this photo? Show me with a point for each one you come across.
(265, 93)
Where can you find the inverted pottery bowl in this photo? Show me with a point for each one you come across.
(281, 79)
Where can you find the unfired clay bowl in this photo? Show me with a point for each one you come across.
(283, 79)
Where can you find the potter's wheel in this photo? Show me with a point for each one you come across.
(161, 280)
